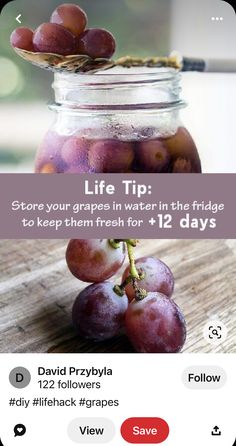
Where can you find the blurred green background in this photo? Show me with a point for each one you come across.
(141, 27)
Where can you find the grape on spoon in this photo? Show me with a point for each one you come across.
(71, 16)
(22, 38)
(96, 43)
(54, 38)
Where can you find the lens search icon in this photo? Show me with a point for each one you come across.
(215, 332)
(19, 430)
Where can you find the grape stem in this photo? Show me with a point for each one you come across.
(119, 290)
(130, 248)
(131, 244)
(140, 293)
(114, 243)
(134, 275)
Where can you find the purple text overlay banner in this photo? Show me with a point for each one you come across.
(118, 206)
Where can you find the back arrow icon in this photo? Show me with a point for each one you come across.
(18, 18)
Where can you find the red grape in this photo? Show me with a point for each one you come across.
(96, 43)
(158, 277)
(111, 156)
(98, 312)
(49, 152)
(22, 38)
(75, 152)
(94, 260)
(153, 156)
(155, 325)
(182, 165)
(71, 16)
(182, 148)
(48, 168)
(81, 168)
(53, 38)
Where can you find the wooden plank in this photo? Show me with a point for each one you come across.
(37, 292)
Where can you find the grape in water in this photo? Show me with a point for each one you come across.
(182, 165)
(71, 16)
(98, 312)
(94, 260)
(155, 325)
(48, 168)
(53, 38)
(157, 277)
(75, 152)
(111, 156)
(80, 168)
(153, 156)
(96, 43)
(183, 151)
(49, 153)
(22, 38)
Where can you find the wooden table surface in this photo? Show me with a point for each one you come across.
(37, 292)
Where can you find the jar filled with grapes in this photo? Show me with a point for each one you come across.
(120, 120)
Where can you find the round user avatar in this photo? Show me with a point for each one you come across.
(19, 377)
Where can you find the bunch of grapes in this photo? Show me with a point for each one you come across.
(141, 306)
(66, 34)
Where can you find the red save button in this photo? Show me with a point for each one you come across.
(145, 430)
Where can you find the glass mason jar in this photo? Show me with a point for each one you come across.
(118, 122)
